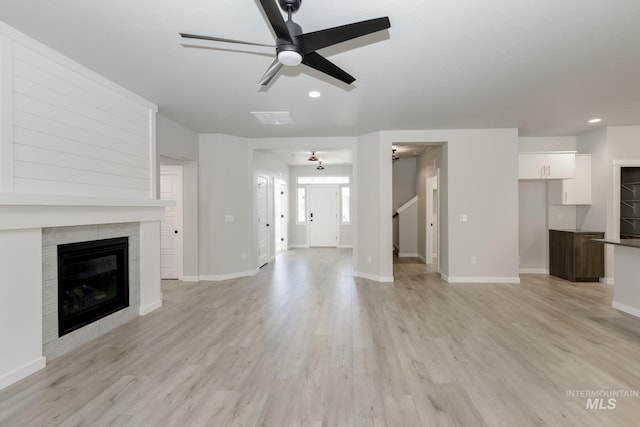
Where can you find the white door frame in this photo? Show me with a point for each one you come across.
(308, 209)
(281, 186)
(179, 211)
(431, 185)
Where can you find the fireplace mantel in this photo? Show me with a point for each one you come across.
(21, 211)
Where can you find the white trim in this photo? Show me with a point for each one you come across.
(511, 280)
(534, 271)
(403, 255)
(421, 258)
(381, 279)
(626, 308)
(407, 205)
(299, 246)
(143, 311)
(18, 199)
(221, 277)
(22, 372)
(607, 280)
(345, 246)
(190, 279)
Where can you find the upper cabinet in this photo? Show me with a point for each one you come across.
(574, 191)
(559, 165)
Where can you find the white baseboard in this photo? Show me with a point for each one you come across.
(345, 246)
(607, 280)
(381, 279)
(22, 372)
(298, 246)
(150, 307)
(403, 255)
(626, 308)
(534, 271)
(421, 258)
(220, 277)
(190, 278)
(511, 280)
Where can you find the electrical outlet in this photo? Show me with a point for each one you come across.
(474, 260)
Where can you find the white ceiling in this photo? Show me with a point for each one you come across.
(301, 158)
(544, 66)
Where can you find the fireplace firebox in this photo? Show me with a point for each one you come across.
(93, 281)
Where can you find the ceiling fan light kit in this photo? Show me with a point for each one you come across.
(294, 47)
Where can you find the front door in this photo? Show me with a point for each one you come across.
(323, 216)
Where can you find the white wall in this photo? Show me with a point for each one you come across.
(227, 249)
(373, 254)
(408, 236)
(67, 130)
(533, 231)
(546, 143)
(20, 304)
(404, 181)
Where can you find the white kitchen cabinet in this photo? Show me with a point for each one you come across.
(574, 191)
(559, 165)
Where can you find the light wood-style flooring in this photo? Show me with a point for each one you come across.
(304, 344)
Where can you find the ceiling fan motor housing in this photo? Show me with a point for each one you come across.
(290, 5)
(289, 49)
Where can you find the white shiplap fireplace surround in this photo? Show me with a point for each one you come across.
(77, 163)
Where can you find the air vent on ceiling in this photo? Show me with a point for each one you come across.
(273, 117)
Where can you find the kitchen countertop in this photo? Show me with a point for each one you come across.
(631, 243)
(575, 230)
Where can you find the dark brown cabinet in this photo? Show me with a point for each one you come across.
(573, 256)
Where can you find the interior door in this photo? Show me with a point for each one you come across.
(171, 225)
(263, 220)
(323, 216)
(432, 218)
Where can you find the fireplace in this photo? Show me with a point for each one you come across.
(93, 281)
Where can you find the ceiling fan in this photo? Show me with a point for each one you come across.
(294, 47)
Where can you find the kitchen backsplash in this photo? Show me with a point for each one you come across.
(562, 217)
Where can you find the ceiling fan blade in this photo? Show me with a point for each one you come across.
(271, 72)
(275, 18)
(219, 39)
(320, 63)
(324, 38)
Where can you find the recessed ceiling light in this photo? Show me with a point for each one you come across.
(314, 94)
(596, 120)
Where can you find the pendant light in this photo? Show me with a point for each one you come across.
(313, 157)
(320, 167)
